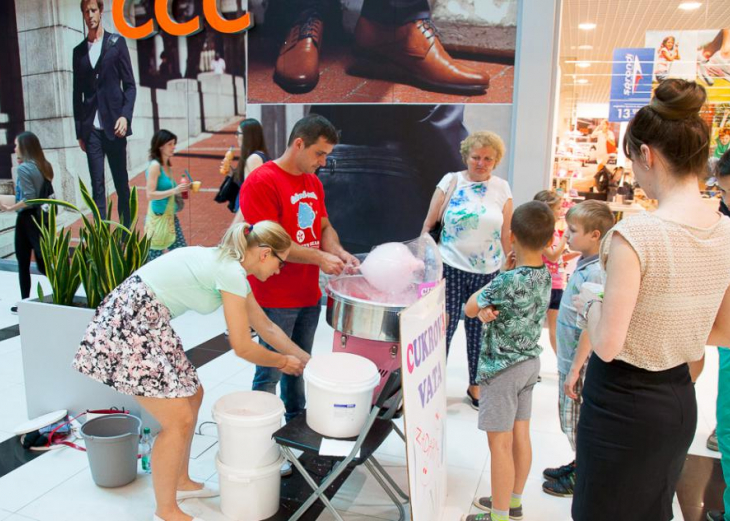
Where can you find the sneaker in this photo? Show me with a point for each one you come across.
(562, 487)
(485, 503)
(476, 517)
(14, 309)
(714, 515)
(712, 441)
(553, 474)
(473, 402)
(286, 469)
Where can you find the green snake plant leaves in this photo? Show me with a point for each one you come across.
(107, 252)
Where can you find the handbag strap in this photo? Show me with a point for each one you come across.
(447, 197)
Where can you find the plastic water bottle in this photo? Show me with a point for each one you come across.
(145, 448)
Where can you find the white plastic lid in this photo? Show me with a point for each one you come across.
(40, 422)
(248, 408)
(342, 372)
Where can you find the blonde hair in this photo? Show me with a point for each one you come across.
(242, 236)
(481, 139)
(548, 197)
(592, 215)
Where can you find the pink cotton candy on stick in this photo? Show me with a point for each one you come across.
(390, 267)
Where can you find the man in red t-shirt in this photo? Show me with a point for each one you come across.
(285, 191)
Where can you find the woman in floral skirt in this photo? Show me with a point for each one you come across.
(131, 346)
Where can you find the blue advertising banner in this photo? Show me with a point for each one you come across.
(631, 82)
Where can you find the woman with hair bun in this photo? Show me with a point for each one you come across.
(131, 346)
(666, 296)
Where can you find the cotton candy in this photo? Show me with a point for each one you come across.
(391, 267)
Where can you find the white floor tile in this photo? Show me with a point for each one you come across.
(188, 327)
(13, 409)
(10, 345)
(362, 494)
(461, 486)
(348, 516)
(79, 499)
(4, 514)
(31, 481)
(223, 368)
(11, 367)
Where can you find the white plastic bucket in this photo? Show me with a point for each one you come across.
(249, 495)
(339, 393)
(246, 421)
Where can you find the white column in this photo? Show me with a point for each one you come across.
(533, 116)
(182, 50)
(159, 47)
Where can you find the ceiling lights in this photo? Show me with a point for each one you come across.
(690, 6)
(585, 47)
(583, 65)
(582, 81)
(587, 26)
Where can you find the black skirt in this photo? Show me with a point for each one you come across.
(634, 432)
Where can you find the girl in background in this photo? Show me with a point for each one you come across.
(33, 171)
(250, 139)
(667, 53)
(161, 186)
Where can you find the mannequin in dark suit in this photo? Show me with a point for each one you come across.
(103, 101)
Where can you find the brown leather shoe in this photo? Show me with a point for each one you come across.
(297, 67)
(416, 47)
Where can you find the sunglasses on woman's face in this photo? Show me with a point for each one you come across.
(282, 262)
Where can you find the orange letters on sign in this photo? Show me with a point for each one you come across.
(135, 33)
(220, 24)
(170, 26)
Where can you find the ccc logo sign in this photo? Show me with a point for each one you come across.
(170, 26)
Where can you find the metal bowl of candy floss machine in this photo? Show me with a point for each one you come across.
(364, 305)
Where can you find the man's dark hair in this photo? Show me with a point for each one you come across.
(533, 224)
(99, 3)
(310, 128)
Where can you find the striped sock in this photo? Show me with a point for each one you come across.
(515, 501)
(500, 515)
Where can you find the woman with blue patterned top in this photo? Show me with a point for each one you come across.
(474, 237)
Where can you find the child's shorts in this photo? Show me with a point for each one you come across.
(556, 295)
(507, 397)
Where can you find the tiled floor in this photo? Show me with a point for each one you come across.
(58, 486)
(344, 79)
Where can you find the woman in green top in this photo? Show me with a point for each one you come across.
(131, 346)
(161, 186)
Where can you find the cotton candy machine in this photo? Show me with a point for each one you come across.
(363, 305)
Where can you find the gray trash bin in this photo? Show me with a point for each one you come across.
(112, 442)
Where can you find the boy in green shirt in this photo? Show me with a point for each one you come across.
(514, 305)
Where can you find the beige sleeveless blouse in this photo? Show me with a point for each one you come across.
(685, 272)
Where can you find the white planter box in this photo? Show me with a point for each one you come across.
(49, 338)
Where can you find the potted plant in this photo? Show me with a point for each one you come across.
(52, 326)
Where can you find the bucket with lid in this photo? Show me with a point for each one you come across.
(249, 495)
(339, 393)
(111, 445)
(246, 421)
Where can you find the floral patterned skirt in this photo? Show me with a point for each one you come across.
(131, 346)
